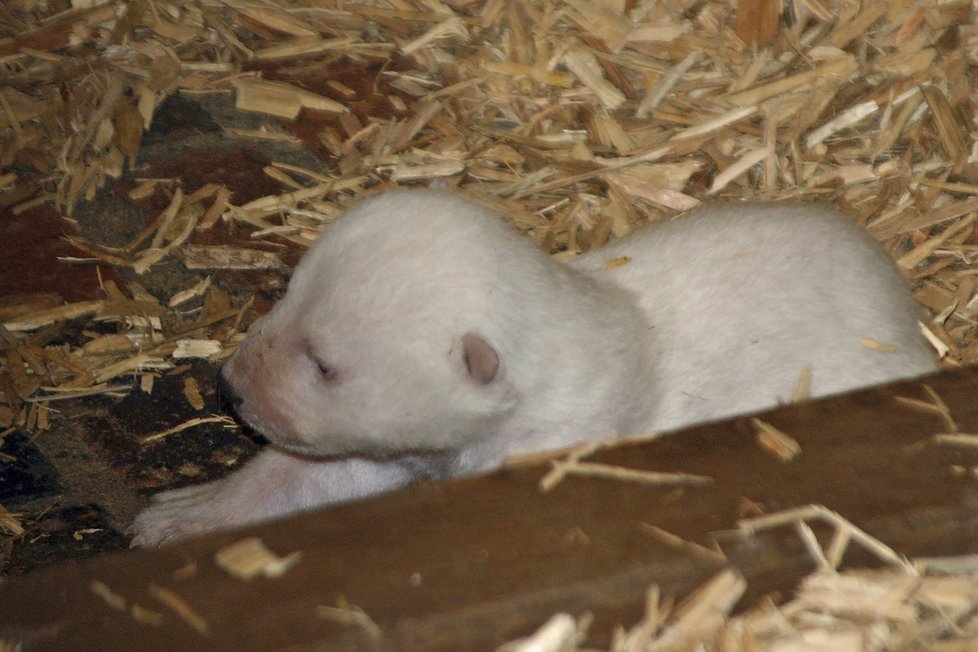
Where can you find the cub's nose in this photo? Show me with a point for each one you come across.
(227, 398)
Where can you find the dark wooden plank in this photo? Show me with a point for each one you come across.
(471, 563)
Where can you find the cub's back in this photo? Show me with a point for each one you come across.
(742, 297)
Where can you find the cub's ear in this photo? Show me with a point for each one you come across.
(481, 360)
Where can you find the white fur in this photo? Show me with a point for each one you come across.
(712, 314)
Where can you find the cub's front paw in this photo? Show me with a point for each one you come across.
(178, 514)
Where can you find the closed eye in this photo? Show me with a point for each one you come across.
(326, 370)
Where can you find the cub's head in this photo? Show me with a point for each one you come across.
(393, 335)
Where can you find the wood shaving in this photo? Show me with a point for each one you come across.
(189, 423)
(782, 446)
(853, 611)
(678, 543)
(351, 616)
(935, 406)
(180, 608)
(956, 439)
(561, 470)
(191, 391)
(249, 558)
(10, 521)
(845, 532)
(111, 598)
